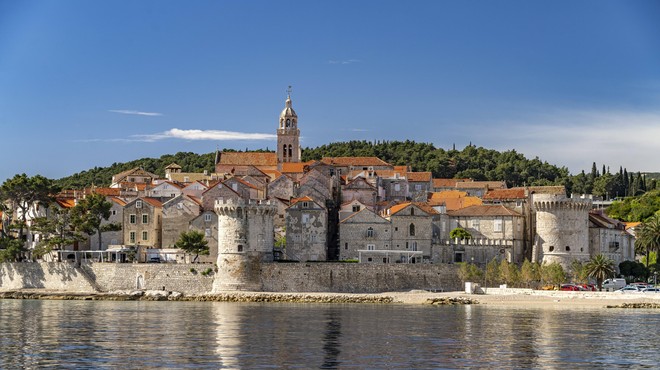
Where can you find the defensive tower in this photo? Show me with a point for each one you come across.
(245, 240)
(562, 229)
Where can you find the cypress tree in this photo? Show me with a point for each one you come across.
(594, 171)
(603, 173)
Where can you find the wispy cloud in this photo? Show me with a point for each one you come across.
(135, 112)
(358, 130)
(575, 139)
(349, 61)
(176, 133)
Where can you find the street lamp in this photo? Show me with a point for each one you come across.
(655, 278)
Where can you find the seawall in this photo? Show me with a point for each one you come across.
(189, 280)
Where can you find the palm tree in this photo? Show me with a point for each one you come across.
(193, 241)
(648, 236)
(600, 267)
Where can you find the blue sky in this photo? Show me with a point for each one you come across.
(90, 83)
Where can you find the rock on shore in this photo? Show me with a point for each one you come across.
(441, 301)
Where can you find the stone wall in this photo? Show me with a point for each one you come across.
(357, 278)
(164, 276)
(275, 277)
(56, 276)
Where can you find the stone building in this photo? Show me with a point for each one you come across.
(610, 238)
(288, 135)
(419, 185)
(110, 238)
(497, 232)
(412, 229)
(359, 190)
(365, 231)
(215, 192)
(142, 224)
(207, 223)
(177, 214)
(306, 230)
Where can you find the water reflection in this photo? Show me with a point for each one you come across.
(75, 334)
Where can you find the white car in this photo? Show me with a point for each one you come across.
(651, 290)
(629, 289)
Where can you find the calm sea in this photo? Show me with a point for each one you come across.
(80, 334)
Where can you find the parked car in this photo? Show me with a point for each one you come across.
(641, 285)
(571, 287)
(588, 287)
(651, 289)
(629, 289)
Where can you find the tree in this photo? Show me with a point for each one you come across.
(56, 232)
(553, 273)
(492, 272)
(193, 241)
(530, 273)
(634, 270)
(509, 273)
(579, 273)
(469, 272)
(11, 250)
(648, 236)
(460, 233)
(23, 193)
(600, 268)
(88, 216)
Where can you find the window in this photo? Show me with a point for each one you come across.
(614, 246)
(396, 229)
(288, 122)
(412, 230)
(207, 217)
(305, 218)
(519, 203)
(207, 232)
(145, 235)
(138, 204)
(412, 211)
(145, 219)
(369, 259)
(240, 248)
(305, 205)
(186, 179)
(418, 187)
(313, 238)
(497, 226)
(356, 208)
(370, 232)
(132, 219)
(371, 247)
(114, 212)
(397, 187)
(552, 248)
(234, 187)
(179, 205)
(414, 246)
(345, 245)
(474, 224)
(568, 249)
(131, 236)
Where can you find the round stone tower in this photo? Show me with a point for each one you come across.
(562, 229)
(245, 240)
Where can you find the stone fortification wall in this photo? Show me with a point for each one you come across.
(176, 277)
(357, 278)
(59, 276)
(274, 277)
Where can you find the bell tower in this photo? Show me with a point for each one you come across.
(288, 134)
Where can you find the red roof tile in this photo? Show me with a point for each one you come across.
(248, 158)
(484, 210)
(502, 194)
(419, 176)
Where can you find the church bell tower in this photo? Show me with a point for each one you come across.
(288, 135)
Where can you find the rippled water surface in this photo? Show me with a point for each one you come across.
(92, 334)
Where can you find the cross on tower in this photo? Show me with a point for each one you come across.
(288, 91)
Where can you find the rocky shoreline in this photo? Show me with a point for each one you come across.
(266, 297)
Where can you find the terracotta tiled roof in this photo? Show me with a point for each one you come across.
(173, 166)
(630, 225)
(302, 199)
(447, 183)
(273, 174)
(154, 202)
(248, 158)
(197, 183)
(502, 194)
(241, 181)
(354, 161)
(484, 210)
(119, 201)
(292, 167)
(481, 184)
(134, 185)
(401, 169)
(447, 194)
(66, 202)
(453, 204)
(360, 180)
(423, 206)
(419, 176)
(137, 171)
(108, 192)
(195, 199)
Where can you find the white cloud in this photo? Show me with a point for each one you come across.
(135, 112)
(576, 139)
(176, 133)
(349, 61)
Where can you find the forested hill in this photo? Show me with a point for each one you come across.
(471, 162)
(102, 176)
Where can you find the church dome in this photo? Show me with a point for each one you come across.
(288, 110)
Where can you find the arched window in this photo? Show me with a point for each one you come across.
(284, 150)
(412, 230)
(370, 232)
(412, 211)
(552, 248)
(290, 150)
(288, 122)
